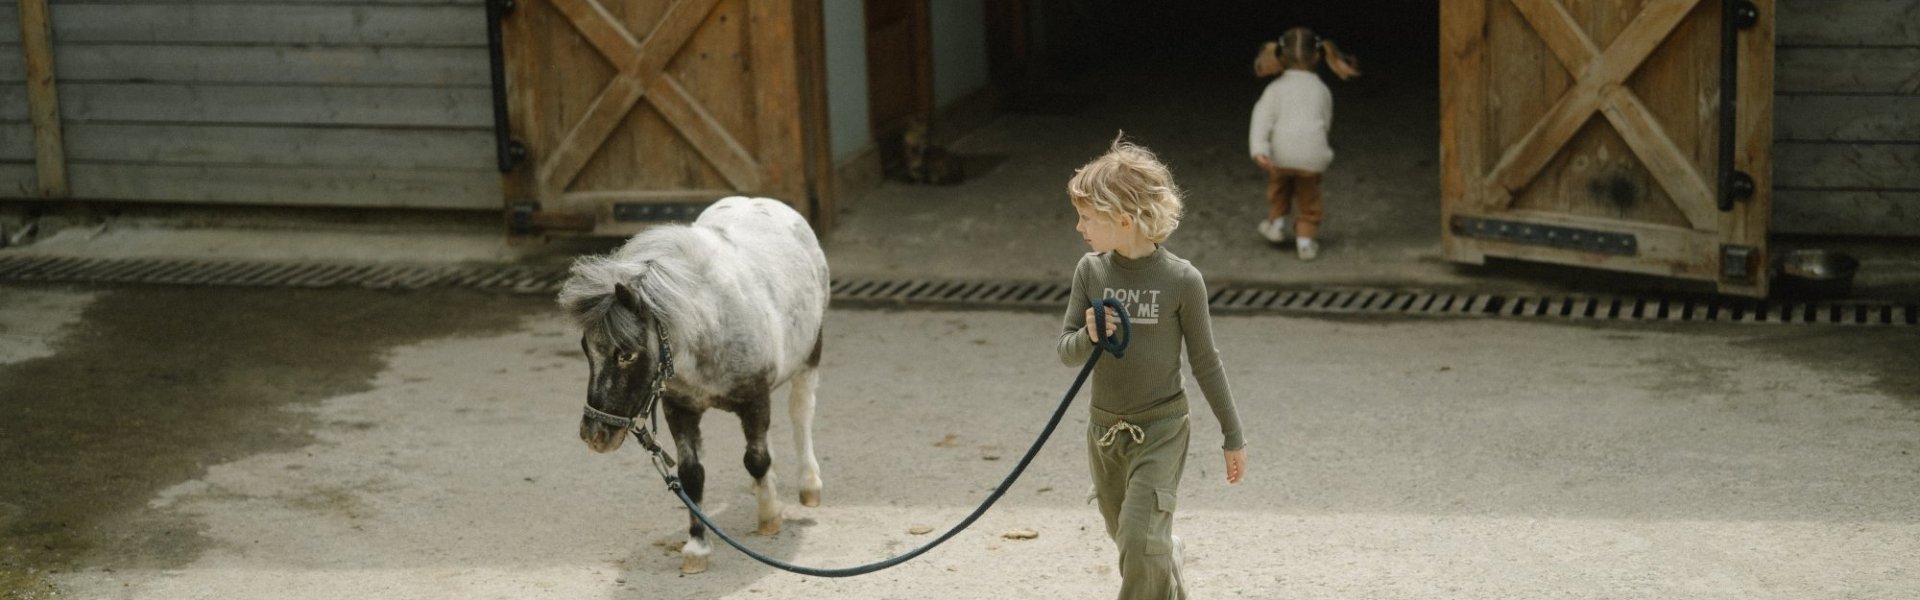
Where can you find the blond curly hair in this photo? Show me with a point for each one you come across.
(1130, 180)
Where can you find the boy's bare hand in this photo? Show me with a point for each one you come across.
(1263, 161)
(1236, 465)
(1113, 324)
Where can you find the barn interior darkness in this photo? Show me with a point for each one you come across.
(1396, 37)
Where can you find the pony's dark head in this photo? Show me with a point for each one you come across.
(623, 353)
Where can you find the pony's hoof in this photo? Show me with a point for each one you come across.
(769, 528)
(810, 497)
(693, 565)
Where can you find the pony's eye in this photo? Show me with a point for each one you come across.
(627, 358)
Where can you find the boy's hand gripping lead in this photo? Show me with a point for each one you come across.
(1101, 330)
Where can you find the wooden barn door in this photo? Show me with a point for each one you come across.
(631, 113)
(1588, 132)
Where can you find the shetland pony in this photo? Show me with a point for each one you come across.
(738, 297)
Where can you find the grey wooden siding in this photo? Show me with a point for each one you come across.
(363, 103)
(16, 141)
(1847, 118)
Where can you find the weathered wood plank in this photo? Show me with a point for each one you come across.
(13, 66)
(706, 134)
(1847, 166)
(1847, 118)
(16, 142)
(1664, 159)
(273, 2)
(288, 186)
(1561, 32)
(281, 146)
(1664, 251)
(1524, 160)
(777, 102)
(303, 105)
(1824, 212)
(16, 179)
(43, 101)
(1849, 23)
(342, 24)
(1846, 70)
(9, 23)
(330, 65)
(1463, 120)
(601, 28)
(637, 68)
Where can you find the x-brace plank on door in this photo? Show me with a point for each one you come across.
(1600, 87)
(641, 66)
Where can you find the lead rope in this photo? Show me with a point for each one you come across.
(1116, 347)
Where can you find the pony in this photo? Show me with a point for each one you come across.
(731, 307)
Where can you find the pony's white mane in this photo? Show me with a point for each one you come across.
(655, 266)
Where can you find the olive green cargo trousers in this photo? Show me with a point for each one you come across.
(1136, 461)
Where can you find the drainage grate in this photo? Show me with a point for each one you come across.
(1245, 300)
(987, 294)
(262, 274)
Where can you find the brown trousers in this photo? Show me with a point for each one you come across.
(1287, 187)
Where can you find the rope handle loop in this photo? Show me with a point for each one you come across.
(1117, 348)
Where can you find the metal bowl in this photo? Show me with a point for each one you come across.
(1815, 273)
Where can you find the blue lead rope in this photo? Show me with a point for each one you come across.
(1116, 347)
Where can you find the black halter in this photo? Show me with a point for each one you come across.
(663, 369)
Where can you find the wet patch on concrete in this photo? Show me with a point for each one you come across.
(1888, 355)
(33, 319)
(156, 383)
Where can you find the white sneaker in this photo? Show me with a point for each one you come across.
(1308, 248)
(1274, 230)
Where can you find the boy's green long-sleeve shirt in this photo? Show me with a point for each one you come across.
(1166, 299)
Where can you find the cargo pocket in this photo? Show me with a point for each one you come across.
(1165, 500)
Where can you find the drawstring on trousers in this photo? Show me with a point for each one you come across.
(1139, 435)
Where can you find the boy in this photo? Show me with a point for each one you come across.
(1137, 435)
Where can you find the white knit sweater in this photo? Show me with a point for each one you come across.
(1290, 122)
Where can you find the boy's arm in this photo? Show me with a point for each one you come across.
(1074, 346)
(1196, 323)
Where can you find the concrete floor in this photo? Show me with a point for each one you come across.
(166, 442)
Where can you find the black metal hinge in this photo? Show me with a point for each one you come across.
(508, 152)
(1734, 184)
(1557, 236)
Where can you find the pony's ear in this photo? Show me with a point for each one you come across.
(1266, 63)
(627, 298)
(1343, 65)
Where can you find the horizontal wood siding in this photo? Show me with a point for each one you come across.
(1847, 118)
(16, 132)
(358, 103)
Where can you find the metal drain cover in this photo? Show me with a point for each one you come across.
(1022, 295)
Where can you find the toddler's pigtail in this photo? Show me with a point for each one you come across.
(1342, 65)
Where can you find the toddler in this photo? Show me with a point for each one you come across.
(1288, 136)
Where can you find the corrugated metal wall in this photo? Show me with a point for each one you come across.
(361, 103)
(1847, 117)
